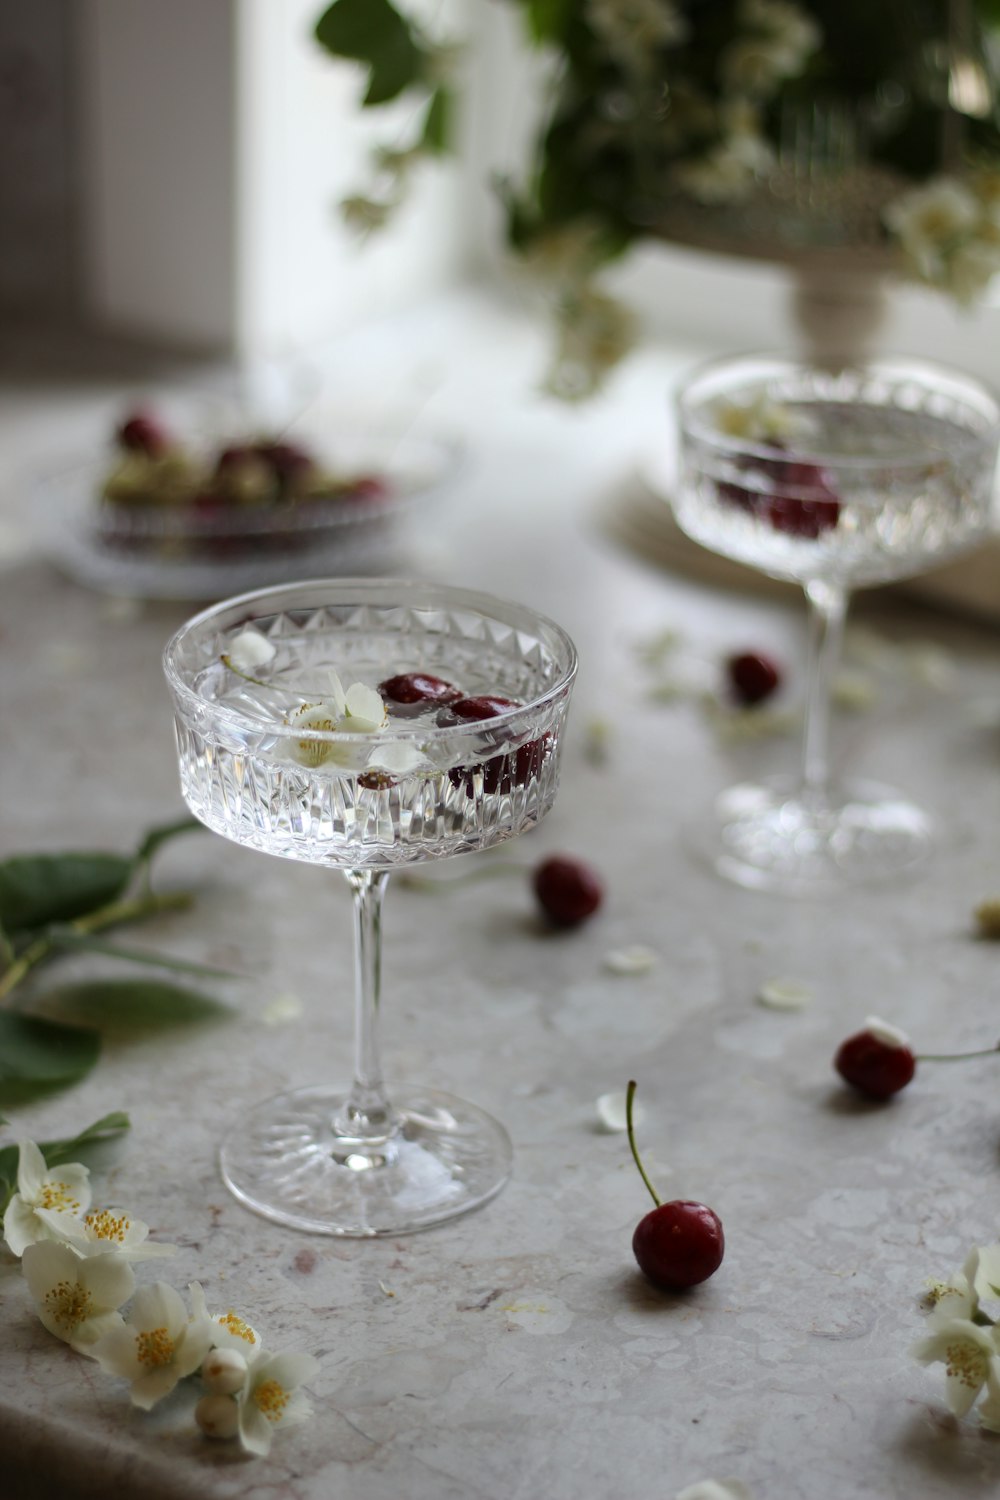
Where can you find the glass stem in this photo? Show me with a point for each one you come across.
(827, 610)
(368, 1114)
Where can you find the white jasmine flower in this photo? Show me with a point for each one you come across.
(218, 1416)
(931, 220)
(104, 1229)
(271, 1397)
(359, 710)
(157, 1346)
(970, 269)
(228, 1330)
(249, 651)
(969, 1355)
(959, 1296)
(48, 1204)
(224, 1371)
(632, 30)
(77, 1299)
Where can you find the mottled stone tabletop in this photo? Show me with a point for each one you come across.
(517, 1352)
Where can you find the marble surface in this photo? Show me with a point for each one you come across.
(517, 1352)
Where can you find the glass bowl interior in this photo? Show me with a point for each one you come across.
(844, 419)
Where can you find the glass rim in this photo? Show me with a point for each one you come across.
(976, 392)
(422, 594)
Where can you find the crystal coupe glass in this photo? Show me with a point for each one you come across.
(833, 479)
(265, 763)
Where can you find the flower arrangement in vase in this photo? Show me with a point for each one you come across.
(837, 136)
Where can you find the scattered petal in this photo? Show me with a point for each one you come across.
(596, 742)
(611, 1113)
(399, 757)
(853, 690)
(932, 665)
(890, 1036)
(715, 1489)
(784, 994)
(120, 609)
(634, 959)
(282, 1009)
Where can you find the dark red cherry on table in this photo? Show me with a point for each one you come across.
(679, 1244)
(142, 433)
(418, 688)
(567, 890)
(877, 1061)
(752, 676)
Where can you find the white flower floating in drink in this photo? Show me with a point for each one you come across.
(357, 711)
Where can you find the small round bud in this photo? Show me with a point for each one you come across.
(224, 1371)
(218, 1416)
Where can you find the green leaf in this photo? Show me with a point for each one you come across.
(437, 122)
(547, 19)
(131, 1004)
(68, 941)
(373, 32)
(39, 888)
(107, 1128)
(155, 838)
(39, 1052)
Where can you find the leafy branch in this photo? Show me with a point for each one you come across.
(56, 905)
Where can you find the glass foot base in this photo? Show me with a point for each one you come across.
(769, 838)
(442, 1158)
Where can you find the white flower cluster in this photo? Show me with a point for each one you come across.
(949, 232)
(776, 42)
(632, 30)
(78, 1266)
(964, 1337)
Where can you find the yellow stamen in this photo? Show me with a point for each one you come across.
(69, 1304)
(105, 1226)
(154, 1347)
(57, 1195)
(235, 1324)
(966, 1362)
(271, 1398)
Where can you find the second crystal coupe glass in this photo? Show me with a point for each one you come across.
(832, 479)
(364, 725)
